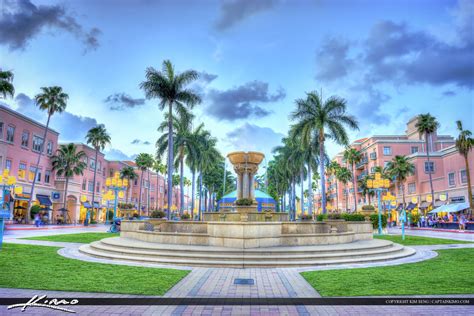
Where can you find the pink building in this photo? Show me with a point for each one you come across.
(447, 168)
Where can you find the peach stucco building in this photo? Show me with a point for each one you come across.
(447, 167)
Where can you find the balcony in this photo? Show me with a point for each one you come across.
(362, 175)
(373, 156)
(362, 162)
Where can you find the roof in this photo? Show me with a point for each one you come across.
(6, 108)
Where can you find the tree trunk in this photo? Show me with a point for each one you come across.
(294, 199)
(347, 198)
(157, 190)
(302, 191)
(140, 195)
(354, 193)
(65, 198)
(193, 192)
(205, 200)
(310, 191)
(370, 202)
(321, 171)
(200, 195)
(148, 192)
(181, 185)
(429, 173)
(337, 196)
(36, 170)
(170, 159)
(93, 184)
(469, 188)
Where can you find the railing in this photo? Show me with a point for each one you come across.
(363, 162)
(362, 175)
(373, 156)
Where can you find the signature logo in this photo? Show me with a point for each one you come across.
(44, 302)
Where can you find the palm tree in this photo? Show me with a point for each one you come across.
(332, 170)
(352, 156)
(426, 125)
(344, 175)
(170, 88)
(52, 100)
(6, 85)
(128, 173)
(159, 168)
(144, 161)
(209, 156)
(327, 120)
(364, 189)
(400, 168)
(98, 138)
(68, 162)
(464, 144)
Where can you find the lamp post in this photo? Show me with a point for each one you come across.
(116, 188)
(379, 185)
(8, 184)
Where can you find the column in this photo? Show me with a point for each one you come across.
(239, 185)
(246, 185)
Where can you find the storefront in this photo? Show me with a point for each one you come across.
(20, 208)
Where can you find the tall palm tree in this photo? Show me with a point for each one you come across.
(128, 173)
(344, 175)
(144, 162)
(364, 189)
(352, 156)
(98, 138)
(327, 119)
(400, 168)
(426, 125)
(170, 88)
(464, 144)
(6, 84)
(67, 163)
(332, 169)
(159, 168)
(209, 156)
(52, 100)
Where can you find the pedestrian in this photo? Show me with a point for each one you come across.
(462, 223)
(423, 221)
(37, 219)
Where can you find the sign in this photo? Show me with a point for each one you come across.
(414, 200)
(458, 199)
(443, 197)
(55, 195)
(429, 199)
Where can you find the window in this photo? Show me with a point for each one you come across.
(32, 174)
(99, 166)
(135, 182)
(1, 130)
(85, 160)
(414, 149)
(10, 134)
(22, 170)
(152, 188)
(92, 163)
(111, 173)
(24, 138)
(84, 183)
(463, 176)
(385, 164)
(37, 143)
(451, 179)
(161, 189)
(49, 148)
(90, 186)
(8, 164)
(97, 187)
(429, 166)
(411, 188)
(103, 172)
(47, 176)
(387, 151)
(372, 169)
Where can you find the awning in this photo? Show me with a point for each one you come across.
(451, 208)
(44, 200)
(96, 205)
(86, 205)
(411, 206)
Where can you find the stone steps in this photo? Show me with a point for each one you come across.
(357, 252)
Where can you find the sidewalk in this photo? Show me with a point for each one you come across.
(43, 227)
(434, 233)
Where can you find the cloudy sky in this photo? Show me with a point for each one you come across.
(390, 60)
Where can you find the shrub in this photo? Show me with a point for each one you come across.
(157, 214)
(334, 216)
(414, 218)
(353, 217)
(135, 215)
(368, 207)
(244, 202)
(185, 215)
(110, 215)
(321, 217)
(306, 217)
(374, 218)
(34, 210)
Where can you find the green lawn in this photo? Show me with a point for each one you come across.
(417, 240)
(40, 267)
(448, 273)
(80, 237)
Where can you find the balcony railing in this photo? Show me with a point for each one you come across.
(373, 156)
(361, 176)
(363, 162)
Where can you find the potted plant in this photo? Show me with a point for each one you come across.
(306, 217)
(185, 216)
(158, 214)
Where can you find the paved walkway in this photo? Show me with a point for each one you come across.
(219, 282)
(433, 233)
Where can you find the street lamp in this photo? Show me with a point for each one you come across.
(8, 184)
(379, 185)
(116, 188)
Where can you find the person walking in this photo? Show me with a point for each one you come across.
(37, 219)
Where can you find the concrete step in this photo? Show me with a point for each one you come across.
(241, 262)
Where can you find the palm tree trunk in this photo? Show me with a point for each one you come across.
(337, 197)
(140, 195)
(93, 184)
(170, 159)
(429, 172)
(370, 202)
(294, 199)
(181, 185)
(157, 189)
(193, 192)
(200, 195)
(310, 191)
(321, 171)
(354, 194)
(469, 188)
(65, 199)
(36, 170)
(347, 198)
(148, 193)
(302, 190)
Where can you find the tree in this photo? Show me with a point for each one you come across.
(6, 84)
(364, 189)
(159, 168)
(464, 144)
(352, 156)
(128, 173)
(331, 170)
(170, 88)
(144, 162)
(344, 175)
(426, 125)
(98, 138)
(67, 163)
(400, 168)
(327, 120)
(52, 100)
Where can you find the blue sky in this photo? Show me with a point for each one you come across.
(390, 60)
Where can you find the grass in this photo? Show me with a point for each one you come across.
(40, 267)
(80, 237)
(417, 240)
(448, 273)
